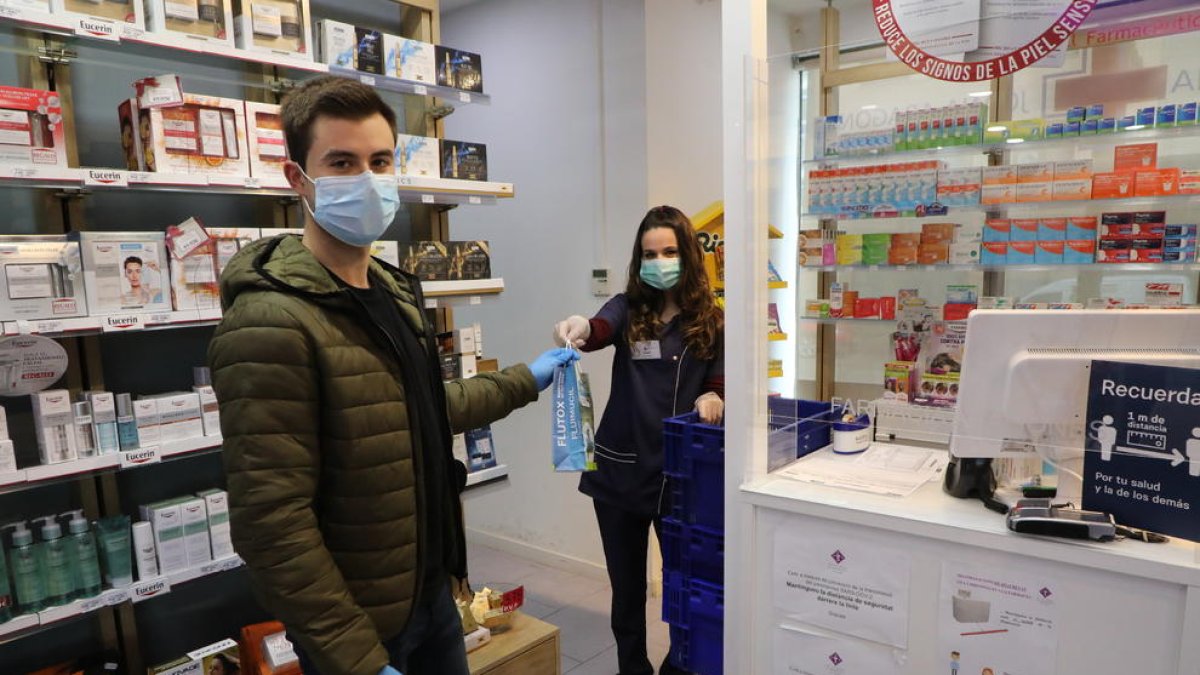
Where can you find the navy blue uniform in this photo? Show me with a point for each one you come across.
(649, 384)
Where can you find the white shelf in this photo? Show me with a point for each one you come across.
(1121, 204)
(67, 23)
(445, 289)
(1114, 267)
(35, 475)
(485, 475)
(91, 325)
(29, 623)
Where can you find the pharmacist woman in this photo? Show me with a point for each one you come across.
(669, 338)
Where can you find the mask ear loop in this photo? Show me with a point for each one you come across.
(303, 199)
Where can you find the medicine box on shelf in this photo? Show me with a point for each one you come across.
(31, 128)
(276, 26)
(268, 150)
(205, 136)
(42, 279)
(117, 11)
(207, 21)
(124, 271)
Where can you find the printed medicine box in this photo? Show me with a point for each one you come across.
(997, 229)
(268, 150)
(1072, 190)
(124, 271)
(1052, 229)
(1156, 183)
(1081, 228)
(1041, 172)
(1080, 169)
(208, 21)
(276, 26)
(31, 128)
(126, 11)
(1022, 252)
(1112, 185)
(411, 60)
(999, 175)
(1139, 157)
(1049, 252)
(1024, 229)
(1079, 252)
(1034, 192)
(204, 136)
(994, 253)
(42, 279)
(417, 156)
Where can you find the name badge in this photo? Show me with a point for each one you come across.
(647, 351)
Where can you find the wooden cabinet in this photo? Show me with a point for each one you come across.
(528, 647)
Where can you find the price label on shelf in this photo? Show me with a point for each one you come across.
(474, 200)
(252, 183)
(160, 91)
(24, 172)
(106, 178)
(132, 459)
(476, 300)
(431, 303)
(101, 29)
(44, 327)
(427, 199)
(464, 97)
(151, 588)
(368, 80)
(123, 322)
(91, 604)
(231, 564)
(117, 595)
(421, 90)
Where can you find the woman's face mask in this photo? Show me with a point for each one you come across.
(661, 273)
(355, 210)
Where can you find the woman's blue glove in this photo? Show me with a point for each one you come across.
(388, 670)
(544, 365)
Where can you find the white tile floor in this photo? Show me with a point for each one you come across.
(577, 604)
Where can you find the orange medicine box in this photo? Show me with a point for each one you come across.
(1112, 185)
(1000, 175)
(1034, 192)
(934, 233)
(999, 194)
(902, 255)
(1079, 169)
(1189, 182)
(933, 254)
(1137, 157)
(1156, 183)
(1072, 190)
(1042, 172)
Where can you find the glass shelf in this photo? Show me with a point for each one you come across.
(1124, 204)
(1115, 267)
(1099, 140)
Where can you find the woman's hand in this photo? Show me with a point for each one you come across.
(711, 408)
(573, 331)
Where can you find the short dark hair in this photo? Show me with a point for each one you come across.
(132, 259)
(331, 96)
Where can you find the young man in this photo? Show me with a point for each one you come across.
(342, 485)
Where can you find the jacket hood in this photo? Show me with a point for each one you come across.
(284, 264)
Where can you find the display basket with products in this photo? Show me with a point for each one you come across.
(494, 606)
(695, 610)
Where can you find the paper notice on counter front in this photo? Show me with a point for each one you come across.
(940, 27)
(992, 619)
(844, 585)
(884, 469)
(802, 652)
(1006, 26)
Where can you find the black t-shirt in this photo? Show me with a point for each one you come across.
(419, 382)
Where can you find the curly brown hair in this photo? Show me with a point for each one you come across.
(703, 321)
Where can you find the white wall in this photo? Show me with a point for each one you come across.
(683, 102)
(567, 126)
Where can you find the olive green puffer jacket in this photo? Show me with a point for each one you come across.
(319, 452)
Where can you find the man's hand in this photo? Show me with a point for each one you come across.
(544, 365)
(388, 670)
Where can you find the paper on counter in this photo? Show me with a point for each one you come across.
(884, 469)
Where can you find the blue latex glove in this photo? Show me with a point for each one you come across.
(388, 670)
(544, 365)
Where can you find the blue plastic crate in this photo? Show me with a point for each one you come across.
(700, 500)
(695, 610)
(694, 551)
(797, 428)
(688, 443)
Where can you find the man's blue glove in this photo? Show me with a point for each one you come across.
(388, 670)
(544, 365)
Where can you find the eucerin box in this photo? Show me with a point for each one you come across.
(195, 531)
(166, 519)
(217, 503)
(124, 271)
(411, 60)
(31, 128)
(229, 240)
(206, 136)
(97, 18)
(145, 415)
(268, 151)
(42, 278)
(54, 421)
(179, 417)
(336, 43)
(417, 156)
(204, 21)
(276, 26)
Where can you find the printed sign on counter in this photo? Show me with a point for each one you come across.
(801, 652)
(1143, 447)
(994, 620)
(844, 585)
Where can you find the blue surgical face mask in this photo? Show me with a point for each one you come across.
(662, 273)
(355, 210)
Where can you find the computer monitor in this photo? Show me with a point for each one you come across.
(1025, 376)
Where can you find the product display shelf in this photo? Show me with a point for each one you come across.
(445, 289)
(777, 285)
(487, 475)
(1045, 267)
(414, 190)
(1033, 208)
(37, 476)
(447, 94)
(122, 35)
(140, 591)
(116, 323)
(1144, 135)
(774, 373)
(830, 321)
(777, 337)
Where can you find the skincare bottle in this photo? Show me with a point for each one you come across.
(6, 597)
(56, 563)
(25, 562)
(84, 433)
(209, 410)
(55, 425)
(104, 421)
(127, 431)
(81, 549)
(143, 549)
(114, 539)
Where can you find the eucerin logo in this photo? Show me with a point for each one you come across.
(151, 590)
(122, 321)
(140, 456)
(23, 343)
(104, 176)
(96, 28)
